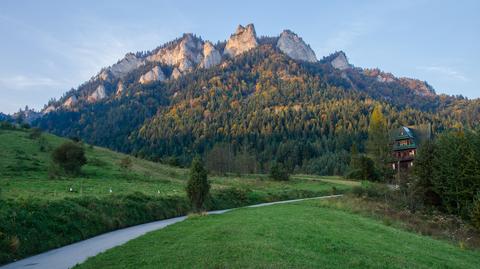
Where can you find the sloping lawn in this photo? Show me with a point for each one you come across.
(300, 235)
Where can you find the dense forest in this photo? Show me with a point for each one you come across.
(254, 109)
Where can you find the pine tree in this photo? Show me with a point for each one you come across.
(423, 171)
(198, 186)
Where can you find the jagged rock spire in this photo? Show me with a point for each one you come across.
(244, 39)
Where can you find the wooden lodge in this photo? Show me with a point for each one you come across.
(404, 149)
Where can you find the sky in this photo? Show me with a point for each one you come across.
(48, 47)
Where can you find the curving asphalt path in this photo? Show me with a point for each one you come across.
(70, 255)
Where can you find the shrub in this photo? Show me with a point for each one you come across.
(172, 161)
(198, 186)
(70, 157)
(279, 172)
(126, 163)
(35, 133)
(371, 190)
(364, 170)
(5, 125)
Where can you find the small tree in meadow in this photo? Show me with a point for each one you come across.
(279, 172)
(198, 186)
(70, 156)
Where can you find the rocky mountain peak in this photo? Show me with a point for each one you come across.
(185, 54)
(340, 61)
(244, 39)
(292, 45)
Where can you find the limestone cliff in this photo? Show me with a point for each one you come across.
(244, 39)
(292, 45)
(340, 61)
(156, 74)
(98, 94)
(211, 56)
(185, 53)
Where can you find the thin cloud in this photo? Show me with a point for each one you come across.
(444, 71)
(346, 37)
(20, 82)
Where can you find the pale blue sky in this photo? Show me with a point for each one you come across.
(48, 47)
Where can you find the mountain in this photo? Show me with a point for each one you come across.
(267, 98)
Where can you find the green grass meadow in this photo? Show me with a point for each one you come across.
(307, 234)
(38, 212)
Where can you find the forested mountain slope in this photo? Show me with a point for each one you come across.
(255, 98)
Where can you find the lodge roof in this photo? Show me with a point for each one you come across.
(403, 133)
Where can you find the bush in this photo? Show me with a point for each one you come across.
(70, 157)
(371, 190)
(364, 170)
(32, 226)
(279, 172)
(126, 163)
(5, 125)
(172, 161)
(35, 133)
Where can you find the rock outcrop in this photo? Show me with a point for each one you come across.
(419, 87)
(379, 75)
(70, 102)
(120, 88)
(105, 75)
(292, 45)
(176, 73)
(98, 94)
(49, 109)
(211, 56)
(244, 39)
(129, 63)
(340, 61)
(185, 53)
(156, 74)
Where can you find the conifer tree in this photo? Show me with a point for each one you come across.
(198, 186)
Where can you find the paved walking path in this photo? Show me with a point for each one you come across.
(70, 255)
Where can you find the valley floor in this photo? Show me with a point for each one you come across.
(308, 234)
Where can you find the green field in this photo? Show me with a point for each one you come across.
(38, 213)
(308, 234)
(24, 174)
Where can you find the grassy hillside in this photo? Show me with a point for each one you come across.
(38, 213)
(307, 234)
(24, 174)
